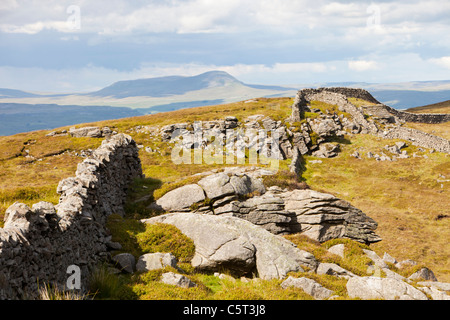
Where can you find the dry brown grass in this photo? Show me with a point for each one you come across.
(440, 107)
(404, 197)
(441, 129)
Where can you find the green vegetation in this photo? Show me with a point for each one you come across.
(166, 238)
(285, 179)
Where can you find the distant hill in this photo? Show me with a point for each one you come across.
(175, 85)
(440, 107)
(12, 93)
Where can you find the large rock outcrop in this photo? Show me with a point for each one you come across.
(317, 215)
(237, 245)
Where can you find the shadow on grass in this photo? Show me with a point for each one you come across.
(140, 196)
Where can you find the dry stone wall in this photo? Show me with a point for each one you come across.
(38, 244)
(432, 118)
(338, 96)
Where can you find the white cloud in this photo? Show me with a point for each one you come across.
(442, 61)
(33, 28)
(8, 5)
(362, 65)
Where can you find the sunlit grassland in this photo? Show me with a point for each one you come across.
(405, 197)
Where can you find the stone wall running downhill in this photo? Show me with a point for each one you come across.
(431, 118)
(418, 138)
(339, 95)
(38, 244)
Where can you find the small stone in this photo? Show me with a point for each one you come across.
(424, 274)
(337, 249)
(176, 279)
(153, 261)
(310, 286)
(126, 262)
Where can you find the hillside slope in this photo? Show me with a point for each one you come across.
(440, 107)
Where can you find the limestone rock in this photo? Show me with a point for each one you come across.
(334, 270)
(125, 262)
(435, 293)
(237, 245)
(181, 198)
(217, 186)
(322, 217)
(388, 258)
(424, 274)
(153, 261)
(375, 258)
(382, 288)
(337, 249)
(266, 211)
(245, 184)
(438, 285)
(327, 150)
(310, 286)
(176, 279)
(92, 132)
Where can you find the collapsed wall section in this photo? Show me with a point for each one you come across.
(38, 244)
(431, 118)
(339, 95)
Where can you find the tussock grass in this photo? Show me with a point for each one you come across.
(161, 237)
(51, 292)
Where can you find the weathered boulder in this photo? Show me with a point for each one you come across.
(92, 132)
(20, 216)
(435, 293)
(217, 186)
(176, 279)
(327, 150)
(181, 198)
(125, 262)
(437, 290)
(424, 274)
(337, 249)
(245, 184)
(382, 288)
(322, 217)
(311, 287)
(334, 270)
(153, 261)
(319, 216)
(266, 211)
(237, 245)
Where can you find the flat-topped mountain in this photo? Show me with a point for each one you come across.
(175, 85)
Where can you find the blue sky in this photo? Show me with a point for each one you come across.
(76, 46)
